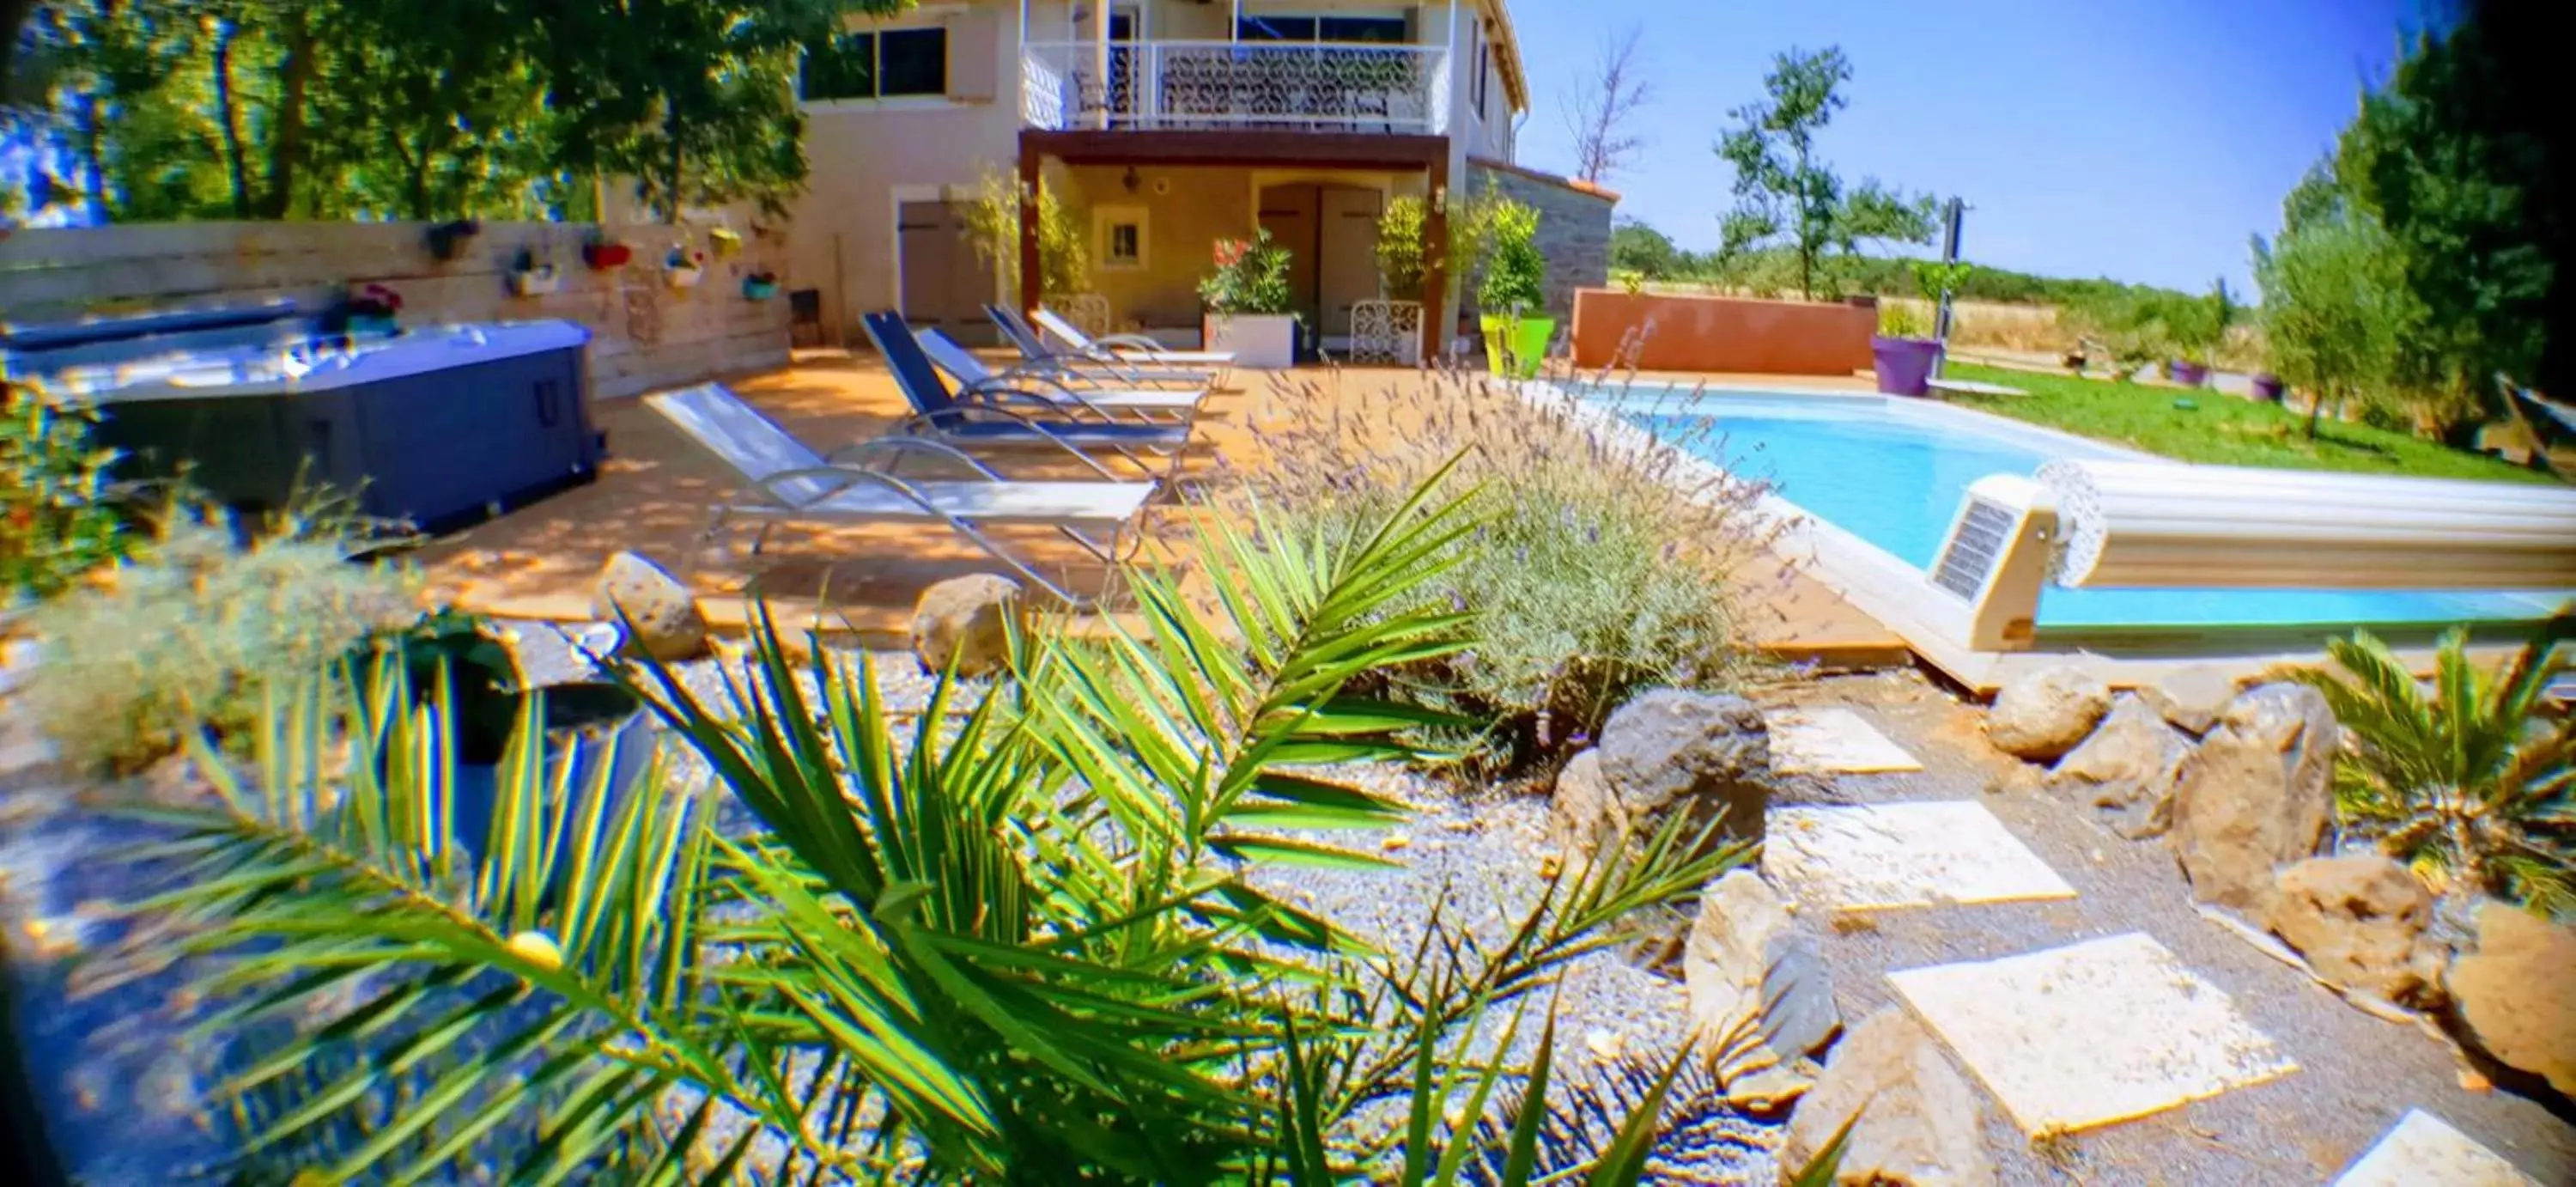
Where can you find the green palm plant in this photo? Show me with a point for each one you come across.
(1021, 945)
(2468, 781)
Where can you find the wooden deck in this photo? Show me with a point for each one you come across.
(654, 493)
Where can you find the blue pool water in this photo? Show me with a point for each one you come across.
(1894, 477)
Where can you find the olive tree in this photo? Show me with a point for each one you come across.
(2335, 308)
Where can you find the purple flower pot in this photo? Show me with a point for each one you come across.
(2267, 389)
(2187, 374)
(1904, 364)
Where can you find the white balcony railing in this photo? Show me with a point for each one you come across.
(1222, 85)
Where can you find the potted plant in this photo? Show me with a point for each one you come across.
(531, 278)
(604, 253)
(1905, 353)
(1248, 303)
(760, 285)
(587, 724)
(2198, 328)
(1403, 264)
(372, 311)
(447, 240)
(684, 267)
(1514, 286)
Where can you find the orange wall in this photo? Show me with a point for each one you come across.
(1722, 334)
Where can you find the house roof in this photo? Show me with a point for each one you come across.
(1515, 80)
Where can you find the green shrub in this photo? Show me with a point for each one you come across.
(1900, 319)
(189, 628)
(1250, 277)
(1515, 281)
(1402, 255)
(54, 523)
(993, 229)
(1594, 575)
(2473, 782)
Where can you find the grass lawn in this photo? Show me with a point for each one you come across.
(2222, 429)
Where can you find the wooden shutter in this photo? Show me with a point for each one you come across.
(974, 42)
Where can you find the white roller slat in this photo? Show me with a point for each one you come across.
(2169, 525)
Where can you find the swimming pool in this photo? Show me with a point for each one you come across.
(1892, 472)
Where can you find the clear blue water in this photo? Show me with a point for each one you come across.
(1895, 479)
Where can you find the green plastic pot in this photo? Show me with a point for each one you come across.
(1517, 347)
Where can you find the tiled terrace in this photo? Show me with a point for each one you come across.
(654, 494)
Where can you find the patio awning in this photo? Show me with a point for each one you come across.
(2170, 525)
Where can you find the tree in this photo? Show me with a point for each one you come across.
(1602, 108)
(1638, 248)
(2459, 175)
(2335, 308)
(1784, 193)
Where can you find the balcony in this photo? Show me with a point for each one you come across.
(1235, 86)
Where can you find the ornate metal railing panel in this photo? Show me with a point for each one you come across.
(1221, 85)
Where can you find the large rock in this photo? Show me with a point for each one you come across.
(2359, 920)
(2193, 698)
(2127, 769)
(1708, 755)
(2255, 796)
(2047, 713)
(968, 620)
(1918, 1116)
(662, 614)
(1583, 815)
(1758, 989)
(2516, 995)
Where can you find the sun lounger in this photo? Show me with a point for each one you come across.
(784, 480)
(1126, 347)
(1162, 405)
(994, 415)
(1079, 366)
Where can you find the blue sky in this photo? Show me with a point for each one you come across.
(2139, 139)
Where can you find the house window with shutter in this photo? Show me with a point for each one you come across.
(888, 64)
(1121, 233)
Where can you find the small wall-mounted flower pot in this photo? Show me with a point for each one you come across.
(755, 288)
(604, 256)
(683, 276)
(536, 282)
(447, 240)
(372, 325)
(727, 242)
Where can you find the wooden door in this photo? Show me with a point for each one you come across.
(944, 284)
(1345, 254)
(1289, 213)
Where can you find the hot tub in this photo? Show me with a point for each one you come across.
(439, 426)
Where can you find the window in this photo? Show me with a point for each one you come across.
(1121, 231)
(895, 63)
(1368, 30)
(1480, 72)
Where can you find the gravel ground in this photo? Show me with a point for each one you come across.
(2357, 1074)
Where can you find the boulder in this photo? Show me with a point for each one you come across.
(2047, 713)
(2192, 698)
(2255, 796)
(1583, 815)
(2359, 920)
(1708, 755)
(2515, 996)
(1758, 990)
(1919, 1123)
(662, 615)
(2127, 769)
(967, 620)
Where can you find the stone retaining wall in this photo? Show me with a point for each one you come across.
(1573, 227)
(645, 335)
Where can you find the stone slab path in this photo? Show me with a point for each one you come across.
(2119, 1037)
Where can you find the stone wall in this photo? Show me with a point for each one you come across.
(645, 335)
(1573, 227)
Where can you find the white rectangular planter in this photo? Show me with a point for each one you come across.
(1267, 340)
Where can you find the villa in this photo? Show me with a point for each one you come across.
(1164, 126)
